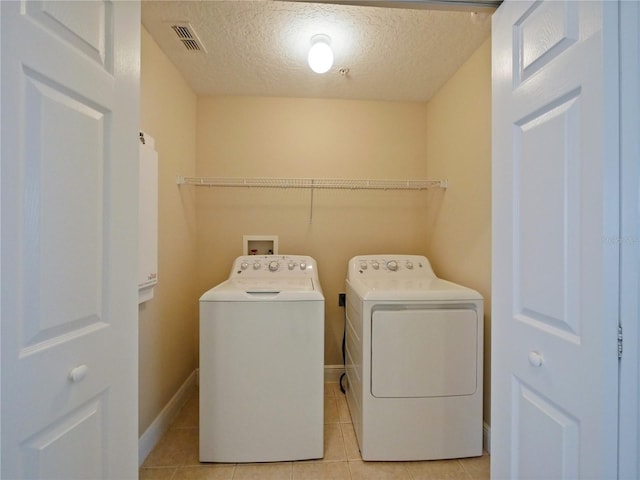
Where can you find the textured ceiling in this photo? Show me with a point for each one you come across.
(260, 47)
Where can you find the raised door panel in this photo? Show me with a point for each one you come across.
(87, 27)
(82, 431)
(63, 259)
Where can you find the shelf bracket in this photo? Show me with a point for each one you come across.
(311, 204)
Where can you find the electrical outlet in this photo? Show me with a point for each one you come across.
(342, 297)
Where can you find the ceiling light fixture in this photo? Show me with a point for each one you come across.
(320, 54)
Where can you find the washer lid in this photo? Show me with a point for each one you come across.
(263, 289)
(291, 284)
(411, 289)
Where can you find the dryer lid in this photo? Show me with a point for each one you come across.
(411, 289)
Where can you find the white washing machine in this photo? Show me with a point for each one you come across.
(413, 360)
(262, 362)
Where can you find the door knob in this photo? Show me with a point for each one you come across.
(535, 359)
(78, 373)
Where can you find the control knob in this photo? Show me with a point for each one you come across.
(410, 265)
(363, 265)
(244, 265)
(273, 266)
(256, 266)
(303, 265)
(392, 265)
(291, 265)
(375, 265)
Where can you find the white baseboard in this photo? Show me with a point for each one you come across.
(152, 435)
(486, 437)
(332, 372)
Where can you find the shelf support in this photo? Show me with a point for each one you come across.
(311, 205)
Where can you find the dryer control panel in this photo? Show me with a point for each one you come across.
(259, 266)
(402, 266)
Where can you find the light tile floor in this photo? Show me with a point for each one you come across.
(176, 455)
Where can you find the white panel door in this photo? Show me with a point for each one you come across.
(69, 106)
(555, 277)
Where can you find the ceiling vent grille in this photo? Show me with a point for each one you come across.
(187, 36)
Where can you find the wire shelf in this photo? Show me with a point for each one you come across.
(313, 183)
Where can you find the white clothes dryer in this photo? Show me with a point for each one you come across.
(262, 362)
(413, 360)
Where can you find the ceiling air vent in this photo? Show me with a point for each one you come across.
(187, 36)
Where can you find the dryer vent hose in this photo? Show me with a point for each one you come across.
(344, 362)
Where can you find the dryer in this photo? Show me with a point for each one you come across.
(413, 359)
(262, 362)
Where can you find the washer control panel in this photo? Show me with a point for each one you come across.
(269, 265)
(405, 266)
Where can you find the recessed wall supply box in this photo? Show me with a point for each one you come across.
(260, 244)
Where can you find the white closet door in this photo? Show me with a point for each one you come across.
(69, 179)
(555, 280)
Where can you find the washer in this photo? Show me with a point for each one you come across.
(262, 362)
(413, 360)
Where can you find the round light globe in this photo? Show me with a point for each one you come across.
(320, 56)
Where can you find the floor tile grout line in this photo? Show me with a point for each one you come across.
(467, 472)
(344, 444)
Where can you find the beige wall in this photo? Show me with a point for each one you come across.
(288, 137)
(459, 149)
(167, 324)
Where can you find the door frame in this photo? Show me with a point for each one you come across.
(0, 239)
(629, 240)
